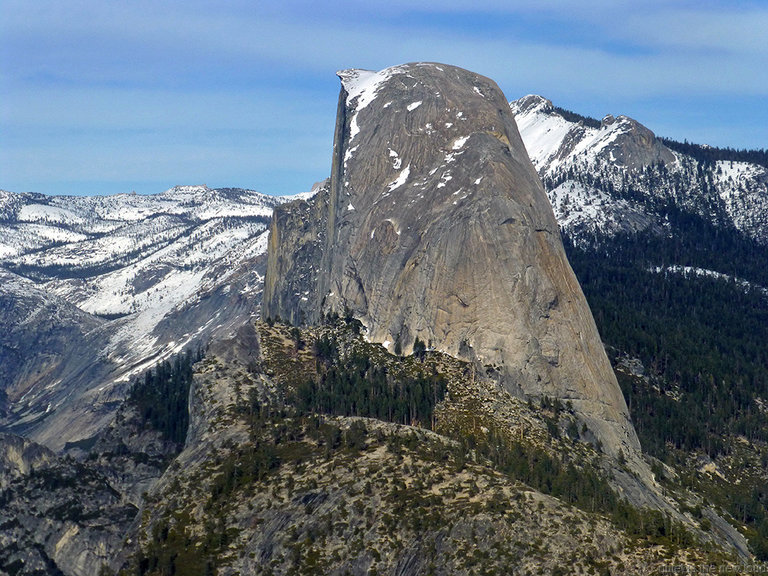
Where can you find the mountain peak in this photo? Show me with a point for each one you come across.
(554, 137)
(533, 102)
(435, 226)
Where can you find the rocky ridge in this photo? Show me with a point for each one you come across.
(289, 492)
(616, 176)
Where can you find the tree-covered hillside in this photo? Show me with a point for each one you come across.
(701, 340)
(350, 459)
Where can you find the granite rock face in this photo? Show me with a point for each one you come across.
(19, 456)
(435, 226)
(57, 515)
(296, 246)
(70, 515)
(633, 145)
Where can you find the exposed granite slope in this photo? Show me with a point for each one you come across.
(437, 227)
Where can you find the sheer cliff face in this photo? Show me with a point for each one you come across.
(435, 225)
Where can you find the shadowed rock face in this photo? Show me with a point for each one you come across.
(45, 341)
(435, 225)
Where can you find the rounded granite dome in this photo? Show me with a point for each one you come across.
(435, 225)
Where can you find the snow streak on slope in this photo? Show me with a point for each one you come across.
(692, 271)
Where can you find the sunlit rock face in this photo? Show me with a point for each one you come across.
(434, 225)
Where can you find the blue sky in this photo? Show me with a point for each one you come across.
(109, 96)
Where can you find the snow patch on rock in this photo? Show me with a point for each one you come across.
(362, 87)
(458, 144)
(412, 106)
(401, 179)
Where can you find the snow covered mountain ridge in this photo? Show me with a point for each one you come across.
(617, 176)
(134, 278)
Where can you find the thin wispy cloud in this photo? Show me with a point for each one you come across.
(242, 94)
(701, 31)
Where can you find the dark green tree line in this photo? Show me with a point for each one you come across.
(161, 395)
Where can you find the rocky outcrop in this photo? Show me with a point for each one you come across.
(62, 515)
(57, 516)
(435, 226)
(19, 456)
(632, 144)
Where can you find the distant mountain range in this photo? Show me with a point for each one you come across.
(100, 288)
